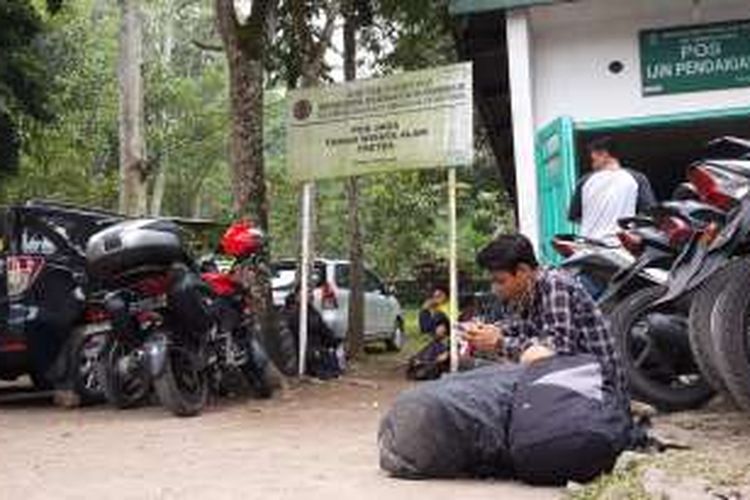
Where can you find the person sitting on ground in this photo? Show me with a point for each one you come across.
(434, 307)
(549, 312)
(321, 360)
(433, 359)
(457, 425)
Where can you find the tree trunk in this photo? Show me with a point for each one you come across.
(133, 168)
(244, 46)
(355, 335)
(160, 183)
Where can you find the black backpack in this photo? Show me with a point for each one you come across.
(566, 424)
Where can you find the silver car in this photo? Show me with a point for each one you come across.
(383, 313)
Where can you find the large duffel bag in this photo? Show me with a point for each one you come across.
(452, 427)
(567, 423)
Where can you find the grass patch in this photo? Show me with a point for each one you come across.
(415, 340)
(619, 485)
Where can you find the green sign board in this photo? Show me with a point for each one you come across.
(412, 120)
(695, 58)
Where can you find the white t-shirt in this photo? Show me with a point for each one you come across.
(607, 196)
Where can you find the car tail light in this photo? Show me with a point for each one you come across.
(632, 242)
(13, 346)
(153, 286)
(96, 315)
(714, 188)
(677, 230)
(563, 247)
(22, 273)
(329, 299)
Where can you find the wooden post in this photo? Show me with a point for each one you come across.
(453, 268)
(305, 273)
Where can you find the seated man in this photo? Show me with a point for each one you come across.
(321, 360)
(433, 359)
(457, 426)
(550, 313)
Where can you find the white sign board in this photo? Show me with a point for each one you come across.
(421, 119)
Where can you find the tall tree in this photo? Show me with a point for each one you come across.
(355, 335)
(246, 27)
(160, 183)
(133, 165)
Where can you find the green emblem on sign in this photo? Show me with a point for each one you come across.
(695, 58)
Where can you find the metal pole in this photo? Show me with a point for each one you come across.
(305, 272)
(453, 268)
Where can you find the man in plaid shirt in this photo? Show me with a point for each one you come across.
(550, 312)
(458, 425)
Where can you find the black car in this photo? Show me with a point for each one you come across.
(50, 320)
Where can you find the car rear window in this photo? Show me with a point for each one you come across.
(342, 276)
(284, 275)
(343, 279)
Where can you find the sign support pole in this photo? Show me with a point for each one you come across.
(305, 273)
(453, 268)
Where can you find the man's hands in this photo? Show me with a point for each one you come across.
(536, 353)
(489, 338)
(484, 338)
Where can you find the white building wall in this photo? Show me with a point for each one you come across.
(521, 91)
(573, 45)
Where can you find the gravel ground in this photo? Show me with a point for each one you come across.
(315, 441)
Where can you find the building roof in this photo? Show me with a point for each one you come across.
(458, 7)
(482, 40)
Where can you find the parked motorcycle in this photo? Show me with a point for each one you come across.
(698, 275)
(593, 263)
(654, 343)
(611, 271)
(171, 329)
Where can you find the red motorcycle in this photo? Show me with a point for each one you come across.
(173, 329)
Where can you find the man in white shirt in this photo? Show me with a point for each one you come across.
(608, 193)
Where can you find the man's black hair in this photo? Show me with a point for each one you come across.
(603, 144)
(506, 253)
(443, 288)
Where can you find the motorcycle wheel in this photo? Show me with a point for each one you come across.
(259, 371)
(653, 375)
(731, 332)
(702, 310)
(124, 387)
(182, 387)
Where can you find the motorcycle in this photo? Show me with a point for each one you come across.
(593, 263)
(712, 274)
(172, 330)
(653, 343)
(611, 271)
(697, 276)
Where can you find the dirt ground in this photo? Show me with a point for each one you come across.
(315, 442)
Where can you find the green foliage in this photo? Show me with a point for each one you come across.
(23, 76)
(74, 156)
(409, 35)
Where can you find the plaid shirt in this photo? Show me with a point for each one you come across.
(560, 315)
